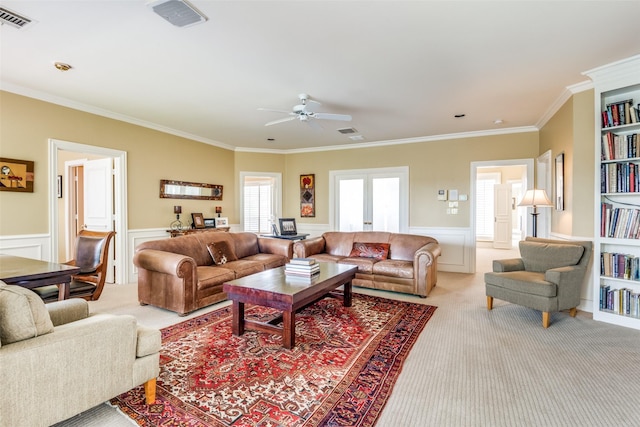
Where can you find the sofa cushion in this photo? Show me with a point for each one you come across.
(377, 251)
(244, 267)
(526, 282)
(365, 265)
(221, 252)
(394, 268)
(210, 276)
(540, 257)
(23, 315)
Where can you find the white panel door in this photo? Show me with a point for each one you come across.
(502, 225)
(98, 195)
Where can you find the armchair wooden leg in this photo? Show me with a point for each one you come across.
(546, 318)
(573, 312)
(489, 303)
(150, 391)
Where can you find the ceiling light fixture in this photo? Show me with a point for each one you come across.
(498, 122)
(62, 66)
(459, 116)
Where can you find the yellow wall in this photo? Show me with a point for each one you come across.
(26, 125)
(570, 131)
(432, 166)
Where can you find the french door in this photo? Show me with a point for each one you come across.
(370, 200)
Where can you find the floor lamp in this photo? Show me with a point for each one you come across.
(535, 198)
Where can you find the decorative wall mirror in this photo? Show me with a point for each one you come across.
(189, 190)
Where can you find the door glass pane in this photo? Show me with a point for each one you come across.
(351, 205)
(386, 204)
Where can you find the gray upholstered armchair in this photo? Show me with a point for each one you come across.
(548, 276)
(57, 360)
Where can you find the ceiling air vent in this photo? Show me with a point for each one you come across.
(347, 131)
(13, 19)
(177, 12)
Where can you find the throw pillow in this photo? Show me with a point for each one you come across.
(377, 251)
(540, 257)
(23, 315)
(221, 252)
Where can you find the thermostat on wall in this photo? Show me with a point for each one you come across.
(442, 194)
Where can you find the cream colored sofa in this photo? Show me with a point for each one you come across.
(411, 265)
(57, 360)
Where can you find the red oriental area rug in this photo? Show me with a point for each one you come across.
(340, 373)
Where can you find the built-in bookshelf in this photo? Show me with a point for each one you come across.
(616, 267)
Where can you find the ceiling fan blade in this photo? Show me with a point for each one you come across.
(314, 125)
(275, 111)
(329, 116)
(275, 122)
(311, 106)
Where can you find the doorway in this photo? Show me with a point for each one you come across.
(61, 225)
(502, 179)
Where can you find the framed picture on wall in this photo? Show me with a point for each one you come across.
(559, 185)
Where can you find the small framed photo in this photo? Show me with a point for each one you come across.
(222, 222)
(59, 187)
(209, 223)
(198, 220)
(288, 227)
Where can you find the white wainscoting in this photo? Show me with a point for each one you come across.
(455, 242)
(34, 246)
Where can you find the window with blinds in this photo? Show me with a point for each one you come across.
(258, 203)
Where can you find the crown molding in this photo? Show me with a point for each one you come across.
(42, 96)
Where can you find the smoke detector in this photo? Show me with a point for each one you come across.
(177, 12)
(14, 19)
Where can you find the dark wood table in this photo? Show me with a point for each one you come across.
(33, 273)
(286, 236)
(273, 288)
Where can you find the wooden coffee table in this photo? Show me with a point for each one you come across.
(272, 288)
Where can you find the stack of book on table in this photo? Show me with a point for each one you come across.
(302, 267)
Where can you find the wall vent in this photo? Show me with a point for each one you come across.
(177, 12)
(11, 18)
(347, 131)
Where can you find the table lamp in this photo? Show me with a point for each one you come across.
(535, 198)
(177, 225)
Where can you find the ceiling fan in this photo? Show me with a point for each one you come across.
(305, 111)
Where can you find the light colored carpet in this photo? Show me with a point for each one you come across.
(472, 367)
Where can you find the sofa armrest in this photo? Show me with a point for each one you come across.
(283, 247)
(149, 341)
(569, 284)
(511, 264)
(308, 247)
(67, 311)
(165, 262)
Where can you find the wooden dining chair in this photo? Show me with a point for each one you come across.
(92, 256)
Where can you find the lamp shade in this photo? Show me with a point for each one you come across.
(535, 198)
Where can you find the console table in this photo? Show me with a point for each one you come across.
(185, 231)
(286, 236)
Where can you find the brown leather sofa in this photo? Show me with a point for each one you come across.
(179, 273)
(410, 266)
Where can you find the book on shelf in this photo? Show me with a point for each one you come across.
(621, 301)
(619, 223)
(619, 113)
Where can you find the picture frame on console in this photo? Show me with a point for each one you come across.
(198, 220)
(288, 227)
(222, 222)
